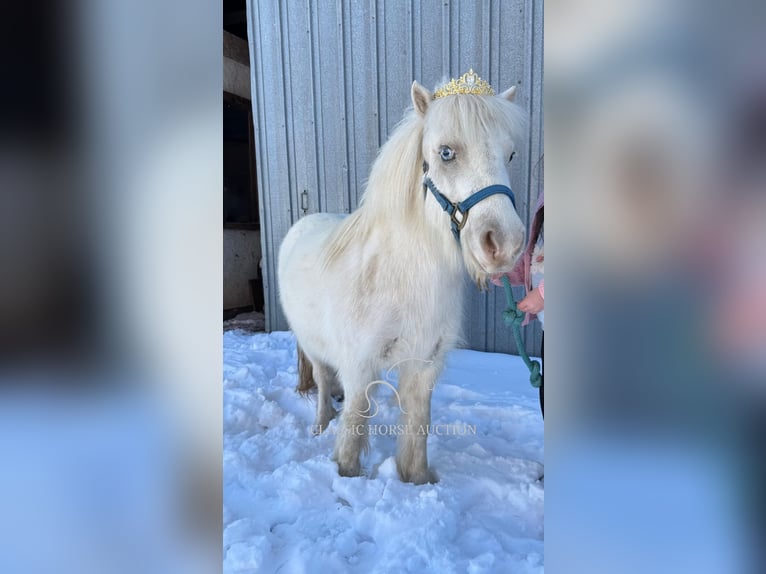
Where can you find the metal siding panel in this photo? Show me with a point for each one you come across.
(364, 94)
(485, 29)
(380, 65)
(331, 103)
(453, 37)
(338, 77)
(416, 41)
(475, 317)
(470, 39)
(446, 63)
(269, 117)
(317, 112)
(348, 104)
(495, 58)
(396, 63)
(430, 33)
(288, 117)
(302, 135)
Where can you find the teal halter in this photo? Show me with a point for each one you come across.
(458, 211)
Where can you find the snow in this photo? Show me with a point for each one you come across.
(286, 509)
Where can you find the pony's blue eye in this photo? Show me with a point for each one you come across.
(446, 153)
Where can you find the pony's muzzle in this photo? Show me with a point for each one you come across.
(490, 246)
(499, 251)
(496, 248)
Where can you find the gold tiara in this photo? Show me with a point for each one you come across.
(468, 83)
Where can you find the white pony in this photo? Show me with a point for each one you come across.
(383, 286)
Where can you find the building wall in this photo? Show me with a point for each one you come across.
(241, 257)
(331, 79)
(236, 66)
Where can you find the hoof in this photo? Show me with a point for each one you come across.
(426, 476)
(350, 469)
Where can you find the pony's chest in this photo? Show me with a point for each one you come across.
(433, 310)
(415, 301)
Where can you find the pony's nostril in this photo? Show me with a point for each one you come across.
(490, 245)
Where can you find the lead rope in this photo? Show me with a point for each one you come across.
(513, 318)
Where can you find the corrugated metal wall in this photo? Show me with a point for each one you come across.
(331, 79)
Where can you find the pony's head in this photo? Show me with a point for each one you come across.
(468, 144)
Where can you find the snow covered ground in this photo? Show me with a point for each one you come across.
(287, 510)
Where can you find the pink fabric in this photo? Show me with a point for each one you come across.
(541, 287)
(520, 274)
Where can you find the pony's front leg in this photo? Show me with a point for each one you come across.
(352, 437)
(415, 387)
(325, 380)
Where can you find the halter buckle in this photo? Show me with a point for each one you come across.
(458, 223)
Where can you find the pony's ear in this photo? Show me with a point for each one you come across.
(509, 94)
(421, 97)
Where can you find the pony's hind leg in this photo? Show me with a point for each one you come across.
(415, 387)
(312, 373)
(306, 380)
(357, 409)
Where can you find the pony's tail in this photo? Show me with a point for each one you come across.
(306, 380)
